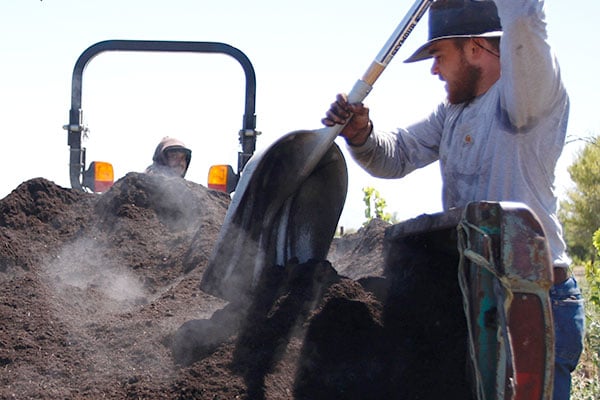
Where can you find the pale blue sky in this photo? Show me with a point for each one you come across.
(303, 53)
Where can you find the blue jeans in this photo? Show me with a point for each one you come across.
(569, 326)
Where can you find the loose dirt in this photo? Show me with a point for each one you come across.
(100, 298)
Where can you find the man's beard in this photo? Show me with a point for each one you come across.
(464, 87)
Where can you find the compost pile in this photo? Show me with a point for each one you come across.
(100, 298)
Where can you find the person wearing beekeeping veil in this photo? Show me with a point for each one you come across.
(171, 158)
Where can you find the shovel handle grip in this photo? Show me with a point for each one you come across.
(359, 92)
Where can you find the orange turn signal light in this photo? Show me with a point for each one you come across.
(99, 177)
(222, 178)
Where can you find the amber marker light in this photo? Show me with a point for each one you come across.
(99, 177)
(222, 178)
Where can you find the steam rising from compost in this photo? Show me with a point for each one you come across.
(94, 284)
(85, 264)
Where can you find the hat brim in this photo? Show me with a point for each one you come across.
(422, 53)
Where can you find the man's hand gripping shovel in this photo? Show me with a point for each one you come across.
(290, 196)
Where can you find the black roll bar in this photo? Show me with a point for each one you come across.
(75, 128)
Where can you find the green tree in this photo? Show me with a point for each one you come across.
(580, 212)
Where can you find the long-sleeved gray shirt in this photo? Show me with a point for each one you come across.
(501, 146)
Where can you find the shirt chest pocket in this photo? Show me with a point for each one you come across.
(462, 151)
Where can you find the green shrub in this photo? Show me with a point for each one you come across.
(586, 378)
(374, 205)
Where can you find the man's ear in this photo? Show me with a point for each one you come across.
(475, 47)
(481, 47)
(471, 51)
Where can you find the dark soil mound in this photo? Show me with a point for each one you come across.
(100, 299)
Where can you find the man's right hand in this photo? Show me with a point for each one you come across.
(355, 116)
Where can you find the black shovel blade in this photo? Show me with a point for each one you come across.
(287, 206)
